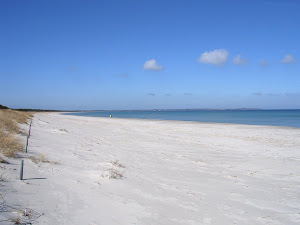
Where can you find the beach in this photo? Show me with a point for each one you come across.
(111, 171)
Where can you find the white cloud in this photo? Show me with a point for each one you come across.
(263, 63)
(216, 57)
(288, 58)
(152, 65)
(239, 61)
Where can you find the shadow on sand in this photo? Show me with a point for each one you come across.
(36, 178)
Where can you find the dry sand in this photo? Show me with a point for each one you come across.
(127, 171)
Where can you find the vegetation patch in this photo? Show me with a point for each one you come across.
(116, 163)
(115, 174)
(41, 158)
(3, 107)
(9, 144)
(9, 127)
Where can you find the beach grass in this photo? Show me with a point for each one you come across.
(42, 158)
(9, 128)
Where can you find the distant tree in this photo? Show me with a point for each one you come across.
(3, 107)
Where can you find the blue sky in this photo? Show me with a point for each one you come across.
(150, 54)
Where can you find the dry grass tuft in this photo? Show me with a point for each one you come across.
(9, 144)
(41, 158)
(9, 119)
(16, 220)
(8, 124)
(27, 212)
(117, 164)
(115, 174)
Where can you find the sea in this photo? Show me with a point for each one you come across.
(285, 118)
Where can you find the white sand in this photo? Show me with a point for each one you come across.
(175, 173)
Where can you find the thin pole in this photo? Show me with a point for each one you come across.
(21, 169)
(26, 144)
(29, 128)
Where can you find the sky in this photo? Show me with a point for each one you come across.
(158, 54)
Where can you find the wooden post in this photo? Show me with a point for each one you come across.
(26, 144)
(29, 128)
(21, 169)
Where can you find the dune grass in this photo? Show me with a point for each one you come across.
(9, 120)
(42, 158)
(9, 144)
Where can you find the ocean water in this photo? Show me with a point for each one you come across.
(288, 118)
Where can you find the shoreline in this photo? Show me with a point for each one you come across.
(183, 121)
(99, 170)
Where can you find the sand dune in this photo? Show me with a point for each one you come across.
(129, 171)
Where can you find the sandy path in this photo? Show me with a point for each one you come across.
(172, 172)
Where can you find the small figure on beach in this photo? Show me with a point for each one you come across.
(110, 116)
